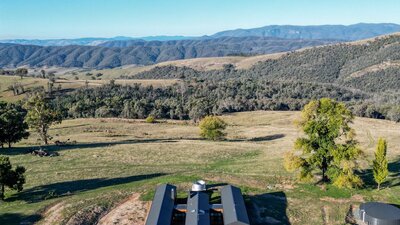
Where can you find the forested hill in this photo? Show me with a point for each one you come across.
(340, 32)
(371, 66)
(141, 52)
(365, 76)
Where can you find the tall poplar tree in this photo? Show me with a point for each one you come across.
(380, 164)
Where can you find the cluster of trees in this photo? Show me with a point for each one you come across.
(38, 114)
(329, 146)
(197, 99)
(15, 120)
(24, 72)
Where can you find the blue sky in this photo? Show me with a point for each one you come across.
(135, 18)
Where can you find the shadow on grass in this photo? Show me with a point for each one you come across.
(268, 208)
(67, 127)
(15, 218)
(393, 179)
(259, 139)
(61, 189)
(56, 148)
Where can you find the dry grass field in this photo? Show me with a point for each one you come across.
(115, 159)
(66, 85)
(202, 64)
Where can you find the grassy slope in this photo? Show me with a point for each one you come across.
(212, 63)
(115, 157)
(66, 85)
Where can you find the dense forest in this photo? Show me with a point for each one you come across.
(195, 99)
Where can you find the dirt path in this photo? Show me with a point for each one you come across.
(131, 211)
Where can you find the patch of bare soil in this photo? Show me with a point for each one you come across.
(87, 215)
(131, 211)
(354, 198)
(52, 215)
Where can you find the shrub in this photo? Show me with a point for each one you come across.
(212, 127)
(150, 119)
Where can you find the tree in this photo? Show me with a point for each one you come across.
(212, 127)
(41, 116)
(13, 128)
(13, 179)
(21, 72)
(328, 146)
(43, 73)
(380, 164)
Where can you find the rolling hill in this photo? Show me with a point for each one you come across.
(143, 52)
(372, 66)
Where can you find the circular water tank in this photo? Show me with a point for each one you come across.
(377, 213)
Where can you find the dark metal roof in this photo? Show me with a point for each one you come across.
(198, 209)
(162, 207)
(377, 213)
(234, 208)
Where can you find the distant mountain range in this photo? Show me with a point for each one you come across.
(339, 32)
(139, 52)
(332, 32)
(87, 41)
(118, 51)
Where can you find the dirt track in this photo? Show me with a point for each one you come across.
(131, 211)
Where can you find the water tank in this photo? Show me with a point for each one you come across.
(377, 213)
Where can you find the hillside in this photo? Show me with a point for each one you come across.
(143, 52)
(337, 32)
(62, 86)
(114, 159)
(371, 66)
(201, 64)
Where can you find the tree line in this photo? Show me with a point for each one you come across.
(195, 99)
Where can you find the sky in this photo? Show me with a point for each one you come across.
(49, 19)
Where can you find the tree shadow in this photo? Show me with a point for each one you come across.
(66, 188)
(16, 218)
(268, 208)
(393, 179)
(56, 148)
(259, 139)
(72, 126)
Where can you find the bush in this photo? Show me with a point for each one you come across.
(150, 119)
(212, 127)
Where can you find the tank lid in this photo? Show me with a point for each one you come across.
(381, 211)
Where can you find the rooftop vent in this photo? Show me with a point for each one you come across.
(199, 185)
(377, 213)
